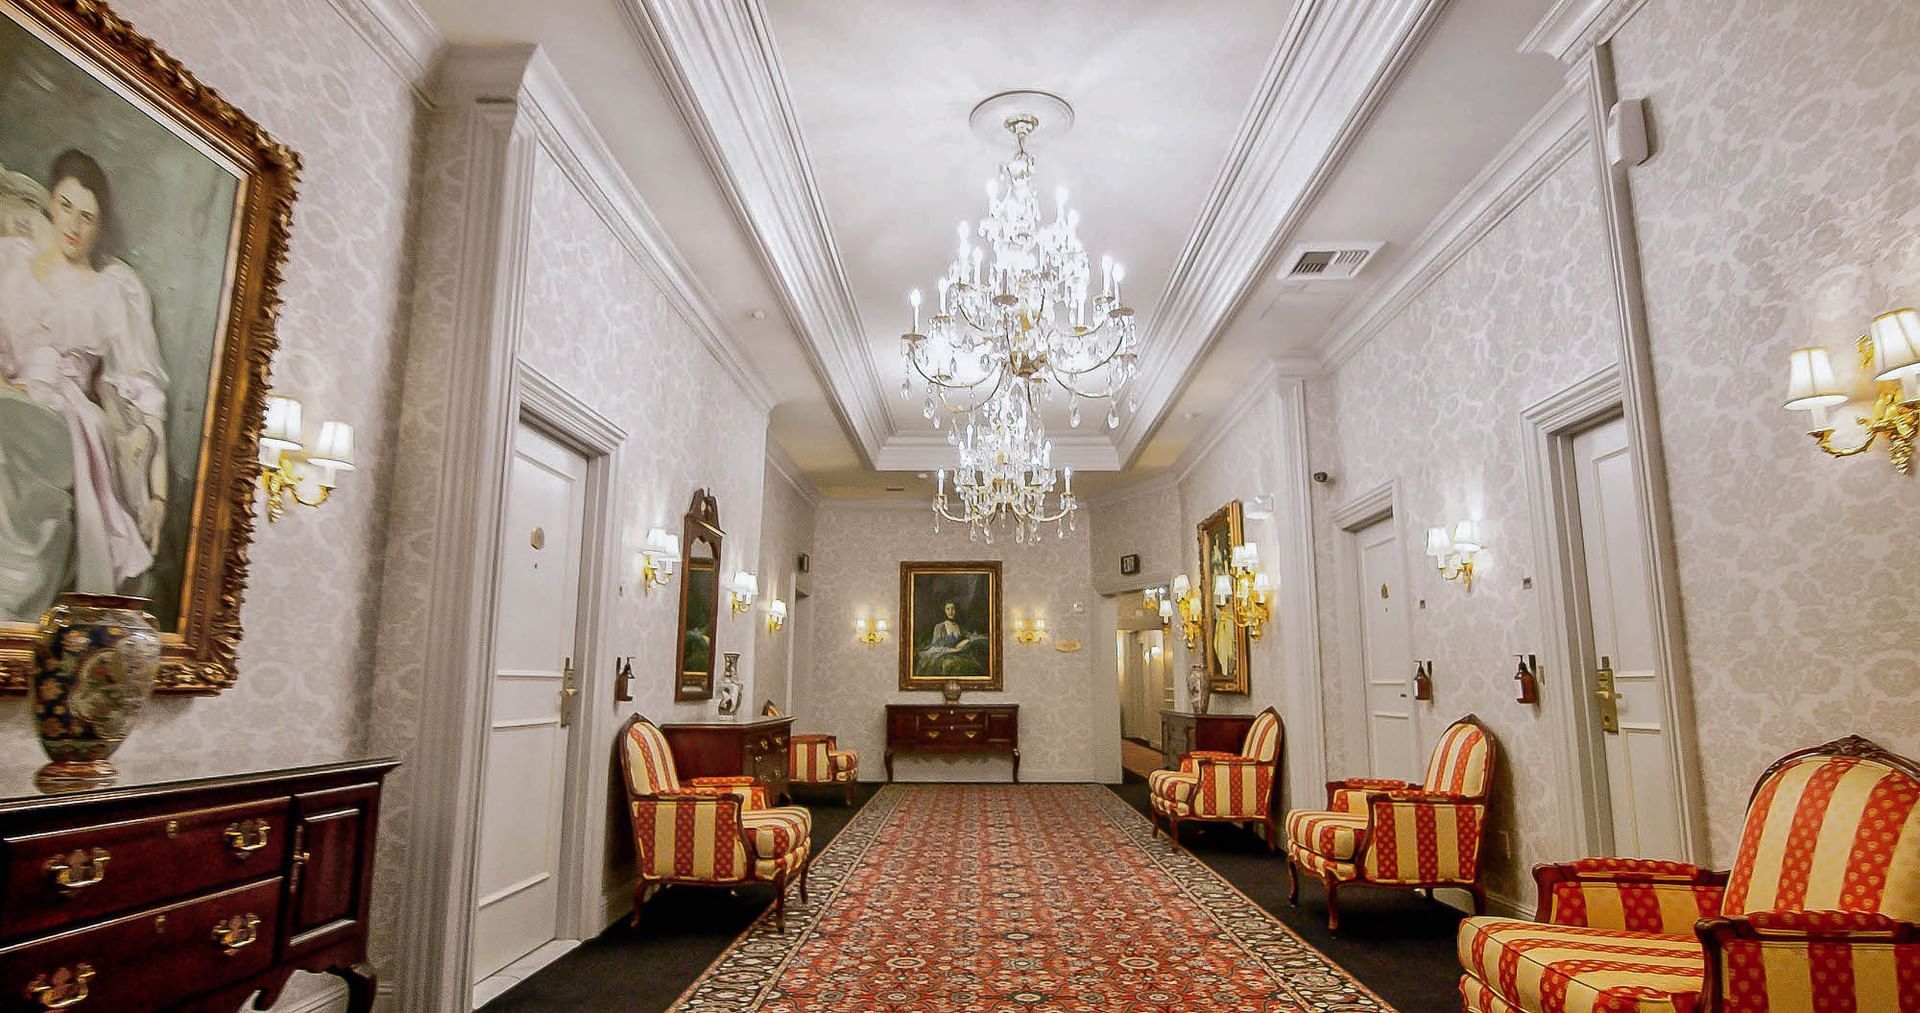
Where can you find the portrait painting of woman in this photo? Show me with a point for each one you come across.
(142, 224)
(951, 614)
(1224, 643)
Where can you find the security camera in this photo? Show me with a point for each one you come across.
(1322, 477)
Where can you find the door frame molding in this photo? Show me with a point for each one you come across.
(1382, 502)
(1548, 430)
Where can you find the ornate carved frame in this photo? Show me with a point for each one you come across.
(702, 524)
(995, 679)
(198, 656)
(1242, 681)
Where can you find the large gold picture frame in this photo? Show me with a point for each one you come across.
(950, 625)
(198, 590)
(1225, 643)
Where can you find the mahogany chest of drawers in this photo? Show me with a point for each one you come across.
(750, 747)
(953, 728)
(1182, 732)
(173, 891)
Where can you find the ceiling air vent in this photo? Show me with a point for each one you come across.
(1327, 261)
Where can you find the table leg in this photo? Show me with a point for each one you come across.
(1016, 766)
(889, 759)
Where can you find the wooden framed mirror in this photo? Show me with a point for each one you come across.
(699, 599)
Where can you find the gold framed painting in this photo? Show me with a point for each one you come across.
(143, 228)
(950, 625)
(1225, 642)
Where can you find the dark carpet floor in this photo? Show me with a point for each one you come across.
(1397, 943)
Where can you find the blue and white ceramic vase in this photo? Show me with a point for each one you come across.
(96, 659)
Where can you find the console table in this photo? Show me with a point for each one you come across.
(739, 747)
(1182, 732)
(174, 889)
(953, 728)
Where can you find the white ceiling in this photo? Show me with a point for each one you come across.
(809, 158)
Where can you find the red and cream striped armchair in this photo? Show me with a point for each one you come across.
(1221, 787)
(1380, 832)
(818, 759)
(711, 831)
(1818, 914)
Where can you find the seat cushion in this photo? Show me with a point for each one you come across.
(771, 833)
(1335, 835)
(1561, 969)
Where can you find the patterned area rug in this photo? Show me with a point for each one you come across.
(1008, 897)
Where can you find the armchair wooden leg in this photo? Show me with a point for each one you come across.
(804, 866)
(1273, 835)
(780, 903)
(1173, 829)
(1333, 903)
(849, 792)
(1479, 898)
(639, 901)
(1293, 882)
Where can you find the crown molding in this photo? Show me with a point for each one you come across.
(783, 465)
(1571, 27)
(720, 64)
(930, 450)
(522, 74)
(400, 33)
(1329, 73)
(1555, 134)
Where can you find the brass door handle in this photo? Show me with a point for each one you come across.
(1607, 695)
(62, 988)
(567, 692)
(236, 933)
(247, 836)
(79, 869)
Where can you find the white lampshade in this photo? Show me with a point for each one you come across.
(1810, 380)
(745, 584)
(1247, 556)
(1040, 624)
(1466, 537)
(1222, 588)
(1181, 585)
(859, 626)
(1166, 609)
(1261, 582)
(880, 625)
(663, 547)
(1896, 344)
(1438, 544)
(282, 430)
(778, 610)
(333, 450)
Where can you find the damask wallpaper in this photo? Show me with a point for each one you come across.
(1521, 315)
(786, 530)
(856, 572)
(1135, 520)
(1781, 208)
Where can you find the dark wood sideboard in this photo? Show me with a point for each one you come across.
(751, 747)
(169, 890)
(953, 728)
(1182, 732)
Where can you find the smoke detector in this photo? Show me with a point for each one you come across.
(1326, 261)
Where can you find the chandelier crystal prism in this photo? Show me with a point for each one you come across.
(1016, 323)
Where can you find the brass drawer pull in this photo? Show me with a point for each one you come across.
(236, 933)
(79, 869)
(247, 836)
(62, 988)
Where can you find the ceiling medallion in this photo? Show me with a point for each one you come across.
(1014, 326)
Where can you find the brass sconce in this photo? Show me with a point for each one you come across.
(870, 631)
(1187, 600)
(776, 616)
(1029, 631)
(286, 460)
(1244, 590)
(745, 587)
(1890, 353)
(657, 559)
(1453, 554)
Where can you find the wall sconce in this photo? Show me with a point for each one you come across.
(870, 631)
(285, 459)
(1453, 554)
(776, 616)
(741, 594)
(1187, 600)
(1244, 590)
(1890, 353)
(657, 559)
(1029, 631)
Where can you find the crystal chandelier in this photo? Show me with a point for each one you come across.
(1014, 313)
(1006, 473)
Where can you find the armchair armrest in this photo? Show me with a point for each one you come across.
(1189, 762)
(812, 737)
(1364, 784)
(748, 790)
(1628, 894)
(1874, 958)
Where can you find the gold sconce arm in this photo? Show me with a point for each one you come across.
(1461, 571)
(282, 485)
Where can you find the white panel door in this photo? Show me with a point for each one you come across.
(1642, 785)
(526, 770)
(1387, 657)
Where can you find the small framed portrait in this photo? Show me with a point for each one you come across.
(951, 612)
(143, 225)
(1130, 564)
